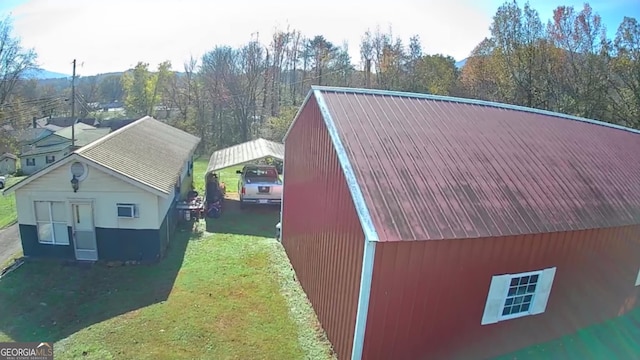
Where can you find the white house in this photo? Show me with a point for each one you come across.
(113, 199)
(7, 163)
(48, 149)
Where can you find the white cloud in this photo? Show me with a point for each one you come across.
(114, 35)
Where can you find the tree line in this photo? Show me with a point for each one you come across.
(231, 95)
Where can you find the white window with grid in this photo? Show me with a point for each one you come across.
(51, 219)
(515, 295)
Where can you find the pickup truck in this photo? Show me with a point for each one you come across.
(3, 180)
(259, 184)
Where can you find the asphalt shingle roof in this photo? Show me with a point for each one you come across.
(147, 150)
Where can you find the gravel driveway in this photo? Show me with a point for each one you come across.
(9, 242)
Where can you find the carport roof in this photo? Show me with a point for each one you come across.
(244, 153)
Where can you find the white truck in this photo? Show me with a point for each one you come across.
(259, 184)
(3, 181)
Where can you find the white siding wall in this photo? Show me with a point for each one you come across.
(105, 191)
(41, 161)
(7, 166)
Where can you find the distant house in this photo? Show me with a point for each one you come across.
(68, 121)
(113, 199)
(44, 124)
(112, 106)
(8, 163)
(28, 136)
(55, 146)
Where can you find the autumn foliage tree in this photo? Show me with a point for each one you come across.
(560, 61)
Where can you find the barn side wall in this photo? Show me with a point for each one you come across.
(321, 232)
(428, 297)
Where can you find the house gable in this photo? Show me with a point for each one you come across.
(65, 164)
(59, 180)
(103, 189)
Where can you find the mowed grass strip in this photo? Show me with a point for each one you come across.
(8, 214)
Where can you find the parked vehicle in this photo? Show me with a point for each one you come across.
(3, 181)
(259, 184)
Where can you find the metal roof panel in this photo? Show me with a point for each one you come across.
(438, 168)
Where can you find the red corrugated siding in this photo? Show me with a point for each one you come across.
(321, 232)
(433, 169)
(428, 297)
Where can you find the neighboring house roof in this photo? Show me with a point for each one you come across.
(42, 123)
(244, 153)
(147, 152)
(68, 121)
(41, 150)
(8, 156)
(31, 135)
(115, 124)
(84, 134)
(86, 137)
(431, 167)
(79, 127)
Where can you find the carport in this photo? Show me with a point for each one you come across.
(254, 151)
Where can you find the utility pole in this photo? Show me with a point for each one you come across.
(73, 105)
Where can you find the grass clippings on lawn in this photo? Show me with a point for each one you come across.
(311, 336)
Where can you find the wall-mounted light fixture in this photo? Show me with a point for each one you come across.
(75, 184)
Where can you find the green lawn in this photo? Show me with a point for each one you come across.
(8, 215)
(227, 176)
(224, 291)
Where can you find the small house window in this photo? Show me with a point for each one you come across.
(51, 219)
(50, 159)
(127, 211)
(515, 295)
(31, 162)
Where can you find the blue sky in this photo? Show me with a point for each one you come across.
(113, 35)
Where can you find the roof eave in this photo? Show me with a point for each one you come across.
(470, 102)
(354, 187)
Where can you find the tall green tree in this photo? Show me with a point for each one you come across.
(625, 68)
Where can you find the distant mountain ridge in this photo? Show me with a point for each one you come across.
(461, 63)
(42, 74)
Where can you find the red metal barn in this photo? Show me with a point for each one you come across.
(426, 227)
